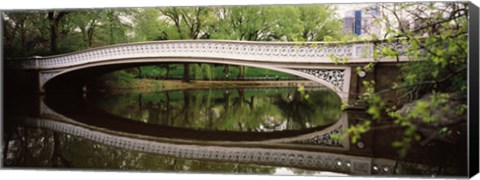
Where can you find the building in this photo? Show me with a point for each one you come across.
(361, 22)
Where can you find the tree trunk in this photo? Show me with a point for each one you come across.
(139, 72)
(54, 23)
(252, 102)
(23, 37)
(226, 70)
(168, 71)
(53, 33)
(186, 72)
(167, 113)
(57, 158)
(90, 32)
(110, 30)
(241, 72)
(186, 106)
(140, 102)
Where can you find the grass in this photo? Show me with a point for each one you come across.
(176, 70)
(146, 77)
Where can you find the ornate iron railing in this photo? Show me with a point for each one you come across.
(283, 52)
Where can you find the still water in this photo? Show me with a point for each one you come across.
(246, 110)
(41, 148)
(242, 110)
(275, 130)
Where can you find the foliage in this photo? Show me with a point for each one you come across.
(40, 147)
(200, 72)
(52, 32)
(276, 23)
(436, 35)
(148, 25)
(36, 32)
(226, 109)
(120, 78)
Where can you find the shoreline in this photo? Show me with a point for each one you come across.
(166, 85)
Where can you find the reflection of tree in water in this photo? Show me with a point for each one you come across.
(35, 147)
(320, 108)
(57, 156)
(297, 110)
(186, 110)
(226, 109)
(27, 147)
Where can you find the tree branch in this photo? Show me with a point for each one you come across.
(422, 83)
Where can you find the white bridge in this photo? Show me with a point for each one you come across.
(328, 63)
(327, 154)
(316, 150)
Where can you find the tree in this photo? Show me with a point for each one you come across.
(25, 34)
(54, 18)
(319, 22)
(284, 23)
(275, 23)
(17, 25)
(190, 23)
(148, 24)
(87, 22)
(243, 23)
(436, 35)
(116, 25)
(53, 32)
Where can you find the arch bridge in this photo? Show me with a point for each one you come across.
(313, 150)
(321, 62)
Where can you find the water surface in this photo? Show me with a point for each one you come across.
(239, 116)
(245, 110)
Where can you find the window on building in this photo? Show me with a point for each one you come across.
(358, 22)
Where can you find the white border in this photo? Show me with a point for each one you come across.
(80, 4)
(76, 4)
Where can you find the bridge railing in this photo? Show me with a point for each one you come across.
(283, 52)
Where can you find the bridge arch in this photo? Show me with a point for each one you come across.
(337, 81)
(85, 115)
(311, 60)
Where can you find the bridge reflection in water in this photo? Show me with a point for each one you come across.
(311, 148)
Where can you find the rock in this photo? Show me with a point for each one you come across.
(445, 119)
